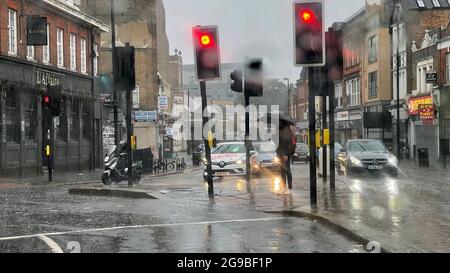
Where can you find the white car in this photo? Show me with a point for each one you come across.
(228, 159)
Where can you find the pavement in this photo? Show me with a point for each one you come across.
(410, 213)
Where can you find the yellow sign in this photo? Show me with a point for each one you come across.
(326, 136)
(47, 150)
(318, 139)
(210, 139)
(133, 143)
(414, 103)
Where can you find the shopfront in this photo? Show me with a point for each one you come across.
(424, 127)
(348, 125)
(23, 128)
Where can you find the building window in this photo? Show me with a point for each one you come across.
(338, 95)
(447, 63)
(373, 84)
(436, 4)
(373, 44)
(46, 49)
(11, 119)
(83, 55)
(60, 47)
(30, 53)
(353, 92)
(95, 61)
(421, 3)
(12, 31)
(73, 52)
(135, 97)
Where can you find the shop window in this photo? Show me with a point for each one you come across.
(30, 121)
(11, 119)
(85, 129)
(61, 123)
(74, 121)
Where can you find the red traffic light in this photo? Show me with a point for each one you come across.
(205, 40)
(207, 52)
(46, 99)
(307, 16)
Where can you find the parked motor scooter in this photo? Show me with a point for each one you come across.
(116, 169)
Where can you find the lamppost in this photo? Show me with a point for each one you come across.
(395, 17)
(289, 92)
(190, 122)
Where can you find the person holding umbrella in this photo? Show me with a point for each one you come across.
(286, 148)
(287, 143)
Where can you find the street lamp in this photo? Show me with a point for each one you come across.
(289, 92)
(190, 122)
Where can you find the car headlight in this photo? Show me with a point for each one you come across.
(239, 162)
(356, 162)
(276, 160)
(393, 161)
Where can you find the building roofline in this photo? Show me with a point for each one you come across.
(75, 13)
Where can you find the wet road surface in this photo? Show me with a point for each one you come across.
(47, 219)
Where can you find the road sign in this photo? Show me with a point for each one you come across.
(163, 102)
(145, 116)
(432, 77)
(36, 31)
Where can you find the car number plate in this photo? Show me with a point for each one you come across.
(375, 167)
(221, 173)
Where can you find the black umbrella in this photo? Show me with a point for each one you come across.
(283, 118)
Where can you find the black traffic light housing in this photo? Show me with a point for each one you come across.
(309, 35)
(236, 78)
(206, 52)
(254, 78)
(51, 101)
(125, 78)
(333, 70)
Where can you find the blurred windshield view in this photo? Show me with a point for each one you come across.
(200, 126)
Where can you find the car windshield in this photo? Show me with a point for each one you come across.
(229, 149)
(366, 146)
(268, 147)
(302, 148)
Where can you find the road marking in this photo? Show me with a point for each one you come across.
(54, 247)
(140, 226)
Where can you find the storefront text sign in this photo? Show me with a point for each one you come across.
(413, 104)
(426, 113)
(47, 78)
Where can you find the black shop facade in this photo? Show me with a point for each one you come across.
(74, 135)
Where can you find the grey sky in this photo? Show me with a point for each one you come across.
(254, 28)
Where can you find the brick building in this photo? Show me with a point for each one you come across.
(410, 22)
(142, 24)
(69, 63)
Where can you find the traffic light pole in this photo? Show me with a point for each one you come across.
(247, 137)
(207, 148)
(324, 146)
(332, 139)
(114, 70)
(312, 138)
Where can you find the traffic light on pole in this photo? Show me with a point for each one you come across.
(254, 78)
(207, 52)
(236, 78)
(309, 35)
